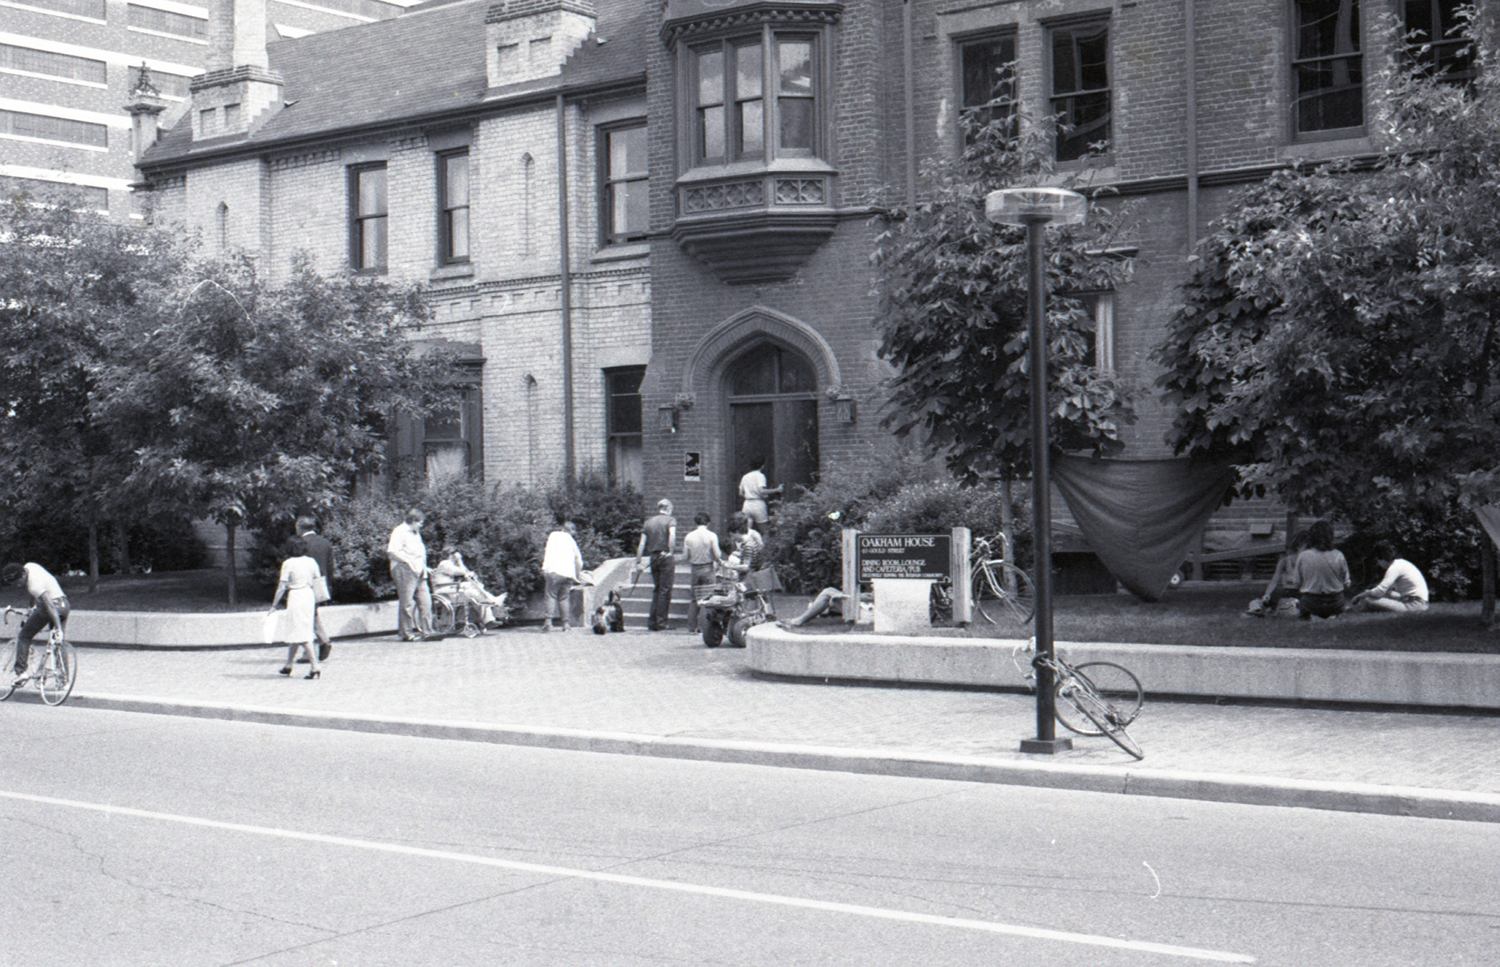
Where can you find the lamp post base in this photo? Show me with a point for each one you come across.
(1046, 746)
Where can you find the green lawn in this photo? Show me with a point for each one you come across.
(1198, 613)
(1208, 613)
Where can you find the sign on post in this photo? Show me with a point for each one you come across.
(910, 557)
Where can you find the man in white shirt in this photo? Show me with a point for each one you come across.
(1402, 590)
(49, 606)
(754, 491)
(408, 556)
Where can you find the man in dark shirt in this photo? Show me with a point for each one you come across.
(658, 538)
(320, 549)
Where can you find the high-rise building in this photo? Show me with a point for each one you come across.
(67, 67)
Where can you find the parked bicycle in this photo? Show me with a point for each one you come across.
(1001, 590)
(53, 665)
(1093, 698)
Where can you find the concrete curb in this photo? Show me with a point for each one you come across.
(1121, 780)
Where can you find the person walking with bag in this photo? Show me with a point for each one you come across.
(658, 538)
(298, 572)
(562, 568)
(320, 549)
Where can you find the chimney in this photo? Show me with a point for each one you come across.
(144, 107)
(530, 39)
(240, 90)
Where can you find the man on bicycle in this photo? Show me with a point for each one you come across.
(49, 606)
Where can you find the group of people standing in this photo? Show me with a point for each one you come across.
(1315, 575)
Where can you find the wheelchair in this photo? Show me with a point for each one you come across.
(447, 605)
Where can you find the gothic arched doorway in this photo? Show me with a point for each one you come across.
(773, 414)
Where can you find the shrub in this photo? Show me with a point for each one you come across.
(897, 496)
(1444, 543)
(501, 532)
(60, 544)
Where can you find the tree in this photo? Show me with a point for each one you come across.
(1340, 337)
(68, 278)
(953, 311)
(248, 402)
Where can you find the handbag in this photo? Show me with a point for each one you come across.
(320, 590)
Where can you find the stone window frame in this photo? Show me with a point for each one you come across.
(1300, 60)
(1063, 103)
(358, 218)
(766, 26)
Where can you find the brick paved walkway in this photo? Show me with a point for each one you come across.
(667, 685)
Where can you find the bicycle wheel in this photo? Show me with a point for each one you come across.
(1104, 716)
(1113, 684)
(442, 616)
(57, 673)
(1003, 591)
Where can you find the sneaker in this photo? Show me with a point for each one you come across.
(546, 626)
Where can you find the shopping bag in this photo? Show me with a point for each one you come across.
(271, 629)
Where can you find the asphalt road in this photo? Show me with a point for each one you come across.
(152, 840)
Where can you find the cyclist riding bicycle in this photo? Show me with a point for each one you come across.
(49, 606)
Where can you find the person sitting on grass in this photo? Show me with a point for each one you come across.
(817, 607)
(1321, 574)
(1401, 591)
(1282, 586)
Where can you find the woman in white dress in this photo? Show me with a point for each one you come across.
(298, 572)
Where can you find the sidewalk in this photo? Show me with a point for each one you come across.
(665, 694)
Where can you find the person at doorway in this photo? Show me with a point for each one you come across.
(49, 606)
(408, 556)
(562, 568)
(658, 538)
(1321, 575)
(754, 490)
(1402, 590)
(320, 549)
(701, 548)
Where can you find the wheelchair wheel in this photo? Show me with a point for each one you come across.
(442, 616)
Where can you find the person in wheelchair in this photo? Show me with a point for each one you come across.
(460, 587)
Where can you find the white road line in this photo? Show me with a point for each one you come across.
(854, 909)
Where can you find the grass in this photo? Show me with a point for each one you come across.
(175, 591)
(1197, 613)
(1208, 613)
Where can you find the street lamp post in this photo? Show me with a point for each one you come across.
(1036, 208)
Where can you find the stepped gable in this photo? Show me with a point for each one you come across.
(430, 61)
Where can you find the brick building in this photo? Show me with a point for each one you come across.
(66, 66)
(692, 288)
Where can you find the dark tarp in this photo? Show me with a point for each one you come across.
(1142, 517)
(1489, 516)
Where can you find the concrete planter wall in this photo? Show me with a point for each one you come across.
(1323, 675)
(160, 629)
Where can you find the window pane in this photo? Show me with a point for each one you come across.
(634, 217)
(796, 67)
(711, 140)
(456, 180)
(627, 152)
(710, 78)
(796, 123)
(755, 372)
(747, 64)
(372, 192)
(752, 122)
(1329, 71)
(987, 70)
(372, 243)
(797, 375)
(458, 233)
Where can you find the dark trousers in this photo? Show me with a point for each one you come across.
(663, 573)
(703, 576)
(1322, 605)
(35, 622)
